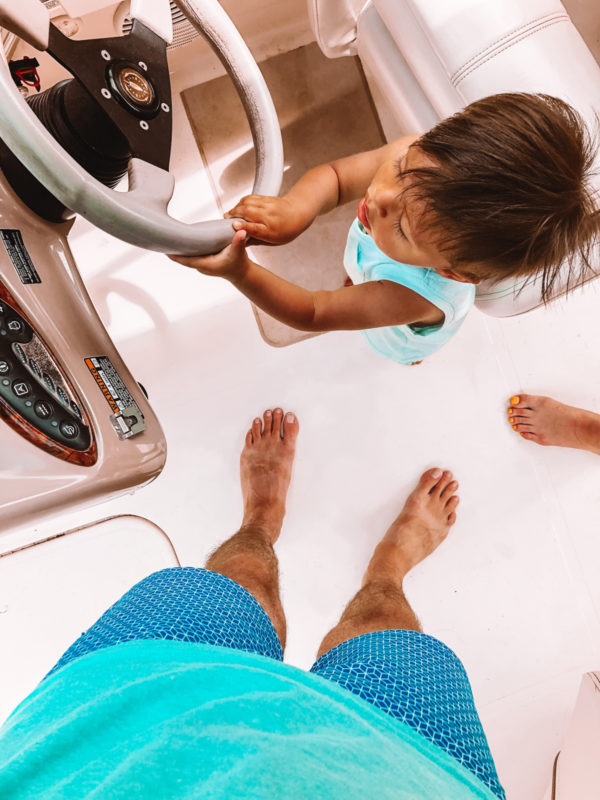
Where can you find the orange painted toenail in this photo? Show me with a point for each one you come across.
(514, 400)
(511, 419)
(514, 427)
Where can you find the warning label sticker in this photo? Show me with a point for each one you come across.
(17, 252)
(127, 418)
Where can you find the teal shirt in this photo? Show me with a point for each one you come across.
(169, 720)
(364, 262)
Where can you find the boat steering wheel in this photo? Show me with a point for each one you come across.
(128, 77)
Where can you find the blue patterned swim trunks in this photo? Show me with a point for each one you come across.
(409, 675)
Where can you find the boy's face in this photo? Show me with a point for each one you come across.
(392, 220)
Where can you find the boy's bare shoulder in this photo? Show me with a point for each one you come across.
(390, 151)
(356, 172)
(399, 147)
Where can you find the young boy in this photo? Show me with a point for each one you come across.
(498, 190)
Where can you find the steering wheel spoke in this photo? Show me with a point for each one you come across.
(151, 184)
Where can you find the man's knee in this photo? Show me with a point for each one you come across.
(381, 598)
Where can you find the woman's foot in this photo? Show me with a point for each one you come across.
(548, 422)
(424, 522)
(266, 469)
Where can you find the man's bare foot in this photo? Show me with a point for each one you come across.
(548, 422)
(428, 514)
(266, 469)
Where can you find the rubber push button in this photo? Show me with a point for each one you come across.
(21, 353)
(43, 409)
(17, 330)
(62, 395)
(21, 388)
(48, 381)
(4, 367)
(35, 368)
(69, 429)
(15, 325)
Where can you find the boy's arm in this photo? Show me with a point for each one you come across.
(370, 305)
(356, 172)
(277, 220)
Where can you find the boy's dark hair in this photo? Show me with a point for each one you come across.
(510, 193)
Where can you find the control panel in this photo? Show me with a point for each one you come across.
(35, 389)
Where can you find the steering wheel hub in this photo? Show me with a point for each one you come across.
(132, 88)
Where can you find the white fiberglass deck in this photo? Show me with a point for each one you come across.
(513, 590)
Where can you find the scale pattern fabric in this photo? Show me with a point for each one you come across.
(184, 604)
(408, 675)
(420, 681)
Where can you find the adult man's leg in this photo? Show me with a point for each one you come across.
(248, 557)
(202, 605)
(423, 524)
(378, 651)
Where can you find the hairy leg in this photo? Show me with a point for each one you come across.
(422, 525)
(548, 422)
(248, 557)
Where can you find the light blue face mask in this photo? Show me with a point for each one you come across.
(406, 344)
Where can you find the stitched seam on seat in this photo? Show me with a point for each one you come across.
(503, 49)
(522, 32)
(525, 27)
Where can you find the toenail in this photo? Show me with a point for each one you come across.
(290, 418)
(509, 411)
(436, 473)
(514, 427)
(267, 413)
(257, 421)
(511, 419)
(514, 400)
